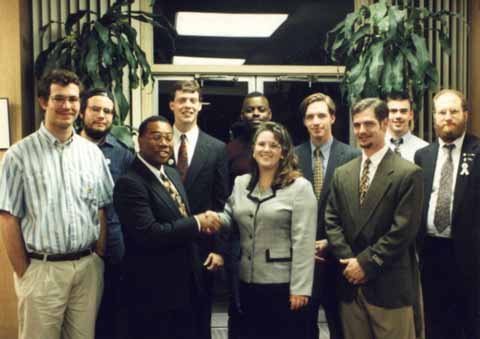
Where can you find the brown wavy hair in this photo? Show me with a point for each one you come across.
(287, 170)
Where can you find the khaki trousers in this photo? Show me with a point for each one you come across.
(361, 320)
(59, 299)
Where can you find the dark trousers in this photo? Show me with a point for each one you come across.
(447, 293)
(111, 320)
(232, 261)
(325, 295)
(267, 315)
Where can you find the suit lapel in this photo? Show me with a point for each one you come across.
(198, 161)
(469, 152)
(336, 154)
(429, 168)
(154, 184)
(305, 160)
(379, 186)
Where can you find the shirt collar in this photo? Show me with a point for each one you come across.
(457, 142)
(324, 148)
(152, 169)
(405, 137)
(192, 134)
(109, 141)
(377, 157)
(53, 139)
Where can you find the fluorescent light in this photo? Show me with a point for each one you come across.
(184, 60)
(228, 25)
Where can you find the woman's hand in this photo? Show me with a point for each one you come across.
(297, 302)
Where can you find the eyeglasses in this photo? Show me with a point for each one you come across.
(61, 99)
(161, 137)
(98, 110)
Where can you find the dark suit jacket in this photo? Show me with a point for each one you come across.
(161, 258)
(340, 154)
(206, 184)
(466, 209)
(381, 234)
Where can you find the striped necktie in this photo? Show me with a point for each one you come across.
(170, 187)
(397, 143)
(318, 172)
(364, 181)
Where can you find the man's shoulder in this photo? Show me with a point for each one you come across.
(212, 141)
(346, 148)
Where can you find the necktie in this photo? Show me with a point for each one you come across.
(364, 180)
(442, 217)
(182, 162)
(170, 187)
(318, 172)
(396, 143)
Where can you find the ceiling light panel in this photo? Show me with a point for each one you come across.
(228, 25)
(185, 60)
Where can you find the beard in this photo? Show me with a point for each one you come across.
(450, 133)
(96, 134)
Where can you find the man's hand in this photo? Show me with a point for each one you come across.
(214, 262)
(321, 250)
(209, 222)
(353, 272)
(297, 302)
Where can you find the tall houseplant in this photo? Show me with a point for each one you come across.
(384, 51)
(101, 48)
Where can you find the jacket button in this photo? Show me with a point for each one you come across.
(249, 258)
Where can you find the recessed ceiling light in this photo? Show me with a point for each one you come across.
(184, 60)
(228, 25)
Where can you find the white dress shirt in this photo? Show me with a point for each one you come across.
(191, 141)
(375, 161)
(408, 147)
(441, 157)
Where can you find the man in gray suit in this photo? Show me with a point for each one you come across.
(371, 220)
(318, 114)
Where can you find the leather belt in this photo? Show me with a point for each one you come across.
(60, 257)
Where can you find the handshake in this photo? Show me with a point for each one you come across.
(209, 222)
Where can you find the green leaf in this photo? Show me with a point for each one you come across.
(91, 60)
(122, 102)
(445, 42)
(102, 32)
(398, 71)
(124, 135)
(74, 18)
(376, 65)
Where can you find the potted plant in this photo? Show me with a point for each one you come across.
(100, 49)
(384, 51)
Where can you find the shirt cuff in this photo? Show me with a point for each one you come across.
(198, 223)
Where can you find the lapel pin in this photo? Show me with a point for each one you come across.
(171, 162)
(464, 170)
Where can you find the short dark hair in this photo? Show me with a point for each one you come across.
(399, 96)
(144, 125)
(314, 98)
(379, 107)
(93, 93)
(61, 77)
(190, 86)
(458, 94)
(255, 95)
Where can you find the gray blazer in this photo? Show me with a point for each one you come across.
(277, 233)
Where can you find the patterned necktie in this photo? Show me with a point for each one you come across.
(442, 218)
(364, 180)
(182, 159)
(397, 143)
(170, 187)
(318, 172)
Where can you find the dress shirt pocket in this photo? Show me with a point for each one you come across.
(87, 188)
(278, 254)
(40, 186)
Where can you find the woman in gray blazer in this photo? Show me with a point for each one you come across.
(275, 211)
